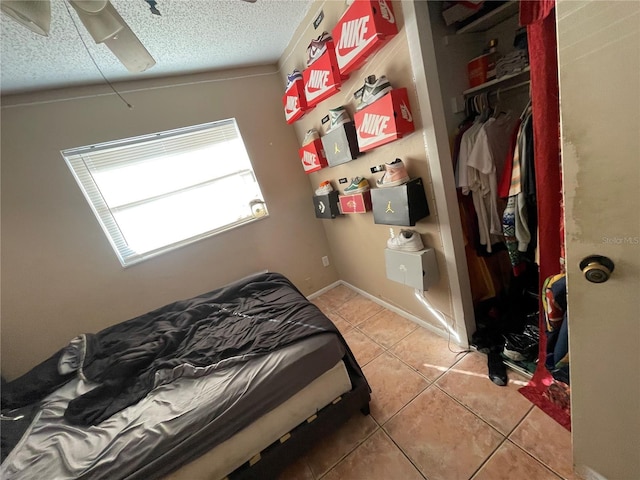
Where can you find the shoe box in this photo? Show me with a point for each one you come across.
(414, 269)
(355, 203)
(363, 28)
(312, 156)
(341, 144)
(385, 120)
(294, 102)
(402, 205)
(322, 79)
(327, 206)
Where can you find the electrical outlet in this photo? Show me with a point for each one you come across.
(325, 261)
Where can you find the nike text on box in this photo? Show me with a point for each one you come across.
(356, 203)
(312, 156)
(294, 102)
(385, 120)
(402, 205)
(322, 78)
(341, 144)
(362, 30)
(327, 205)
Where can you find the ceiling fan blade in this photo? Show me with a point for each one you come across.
(91, 6)
(35, 15)
(105, 25)
(101, 23)
(130, 51)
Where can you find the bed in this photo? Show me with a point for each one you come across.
(235, 383)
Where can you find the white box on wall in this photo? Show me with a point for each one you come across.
(415, 269)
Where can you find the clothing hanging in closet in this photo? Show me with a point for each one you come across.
(518, 186)
(483, 151)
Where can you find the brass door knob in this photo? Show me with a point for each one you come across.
(596, 268)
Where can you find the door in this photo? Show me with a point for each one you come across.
(599, 65)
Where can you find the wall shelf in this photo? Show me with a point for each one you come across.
(491, 19)
(498, 81)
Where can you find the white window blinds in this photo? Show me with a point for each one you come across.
(157, 192)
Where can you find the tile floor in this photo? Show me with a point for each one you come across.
(434, 413)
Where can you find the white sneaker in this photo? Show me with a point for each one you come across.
(325, 188)
(395, 174)
(293, 77)
(337, 116)
(311, 135)
(407, 241)
(372, 90)
(317, 47)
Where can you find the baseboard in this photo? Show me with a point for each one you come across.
(399, 311)
(325, 289)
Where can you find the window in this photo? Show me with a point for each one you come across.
(157, 192)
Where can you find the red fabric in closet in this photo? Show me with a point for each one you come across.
(539, 18)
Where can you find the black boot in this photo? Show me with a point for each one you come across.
(497, 370)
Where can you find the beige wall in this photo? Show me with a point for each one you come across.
(357, 244)
(60, 276)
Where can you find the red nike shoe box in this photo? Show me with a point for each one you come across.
(365, 27)
(294, 102)
(384, 121)
(355, 203)
(312, 156)
(322, 78)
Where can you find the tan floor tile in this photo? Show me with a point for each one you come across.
(362, 346)
(443, 439)
(357, 309)
(376, 459)
(333, 448)
(509, 463)
(546, 440)
(339, 322)
(502, 407)
(321, 304)
(337, 296)
(387, 328)
(393, 385)
(299, 470)
(426, 352)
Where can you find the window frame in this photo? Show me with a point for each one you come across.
(75, 158)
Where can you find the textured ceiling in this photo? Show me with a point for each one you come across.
(190, 36)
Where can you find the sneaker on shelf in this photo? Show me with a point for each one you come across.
(407, 241)
(372, 90)
(337, 116)
(357, 185)
(311, 135)
(317, 47)
(292, 77)
(325, 188)
(395, 174)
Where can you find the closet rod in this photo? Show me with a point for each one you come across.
(512, 87)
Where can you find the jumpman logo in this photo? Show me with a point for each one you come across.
(389, 209)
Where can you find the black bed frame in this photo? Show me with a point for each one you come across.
(275, 458)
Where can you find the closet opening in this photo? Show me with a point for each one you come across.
(484, 69)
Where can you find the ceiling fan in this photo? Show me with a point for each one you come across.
(99, 17)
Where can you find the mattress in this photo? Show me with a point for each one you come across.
(174, 424)
(250, 441)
